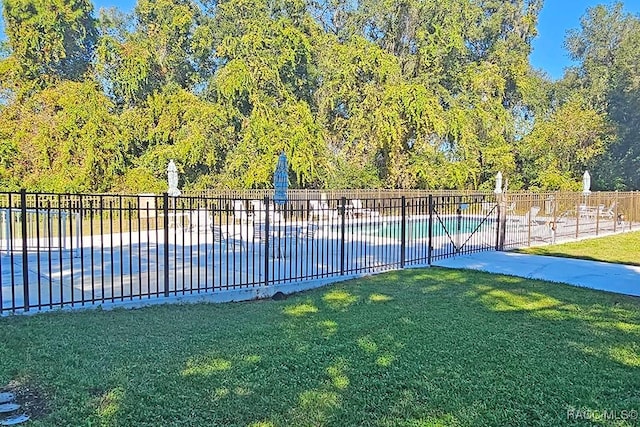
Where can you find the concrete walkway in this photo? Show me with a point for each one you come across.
(618, 278)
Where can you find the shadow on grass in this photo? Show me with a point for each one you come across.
(418, 347)
(608, 329)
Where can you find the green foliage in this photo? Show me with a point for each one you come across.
(348, 175)
(413, 94)
(562, 146)
(266, 83)
(129, 69)
(176, 124)
(606, 47)
(49, 40)
(64, 138)
(171, 45)
(138, 180)
(268, 132)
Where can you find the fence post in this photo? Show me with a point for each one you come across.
(165, 211)
(502, 219)
(8, 228)
(529, 229)
(430, 242)
(458, 206)
(635, 208)
(78, 218)
(578, 218)
(266, 240)
(343, 208)
(554, 224)
(25, 258)
(598, 212)
(498, 226)
(403, 233)
(615, 214)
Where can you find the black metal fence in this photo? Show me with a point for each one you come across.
(66, 250)
(544, 218)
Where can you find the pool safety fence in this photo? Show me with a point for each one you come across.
(75, 250)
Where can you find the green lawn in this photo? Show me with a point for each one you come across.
(412, 348)
(619, 248)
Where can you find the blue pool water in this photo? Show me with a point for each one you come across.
(419, 228)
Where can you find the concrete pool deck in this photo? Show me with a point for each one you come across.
(618, 278)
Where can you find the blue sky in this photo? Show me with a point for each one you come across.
(556, 17)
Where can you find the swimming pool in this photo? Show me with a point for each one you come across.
(418, 228)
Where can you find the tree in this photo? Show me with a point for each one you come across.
(62, 139)
(606, 47)
(49, 40)
(266, 80)
(171, 43)
(398, 94)
(562, 146)
(176, 124)
(270, 131)
(472, 59)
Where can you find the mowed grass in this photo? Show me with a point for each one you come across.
(620, 248)
(431, 347)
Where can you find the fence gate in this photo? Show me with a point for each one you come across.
(463, 224)
(68, 250)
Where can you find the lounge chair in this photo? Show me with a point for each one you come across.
(320, 210)
(589, 212)
(200, 220)
(491, 207)
(223, 236)
(358, 210)
(526, 219)
(260, 211)
(240, 212)
(607, 213)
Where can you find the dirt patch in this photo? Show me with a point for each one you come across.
(33, 399)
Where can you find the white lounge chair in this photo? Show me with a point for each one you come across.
(526, 219)
(607, 213)
(358, 210)
(260, 211)
(240, 212)
(585, 211)
(320, 210)
(200, 220)
(488, 207)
